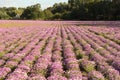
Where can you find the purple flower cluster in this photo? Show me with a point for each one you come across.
(95, 75)
(98, 53)
(17, 75)
(56, 68)
(71, 62)
(4, 71)
(59, 51)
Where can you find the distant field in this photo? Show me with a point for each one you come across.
(59, 50)
(21, 23)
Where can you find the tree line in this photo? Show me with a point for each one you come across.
(73, 10)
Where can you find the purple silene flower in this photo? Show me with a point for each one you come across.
(47, 50)
(16, 58)
(109, 57)
(47, 56)
(103, 67)
(68, 46)
(103, 52)
(2, 62)
(4, 71)
(73, 66)
(29, 57)
(56, 57)
(78, 45)
(78, 77)
(84, 78)
(57, 47)
(11, 64)
(66, 42)
(116, 54)
(57, 72)
(36, 54)
(17, 49)
(112, 74)
(40, 66)
(95, 75)
(57, 52)
(98, 58)
(56, 77)
(44, 60)
(24, 67)
(71, 60)
(115, 45)
(116, 64)
(69, 55)
(87, 65)
(2, 47)
(8, 55)
(87, 47)
(74, 75)
(18, 74)
(68, 50)
(27, 62)
(56, 65)
(36, 77)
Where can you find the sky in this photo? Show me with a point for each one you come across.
(25, 3)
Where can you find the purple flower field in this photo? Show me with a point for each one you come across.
(59, 50)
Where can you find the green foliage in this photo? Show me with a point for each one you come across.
(32, 12)
(79, 54)
(66, 15)
(59, 8)
(48, 14)
(2, 54)
(57, 16)
(94, 10)
(60, 11)
(11, 11)
(2, 78)
(4, 15)
(88, 66)
(73, 10)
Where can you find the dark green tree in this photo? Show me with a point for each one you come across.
(3, 14)
(11, 11)
(32, 12)
(59, 8)
(47, 14)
